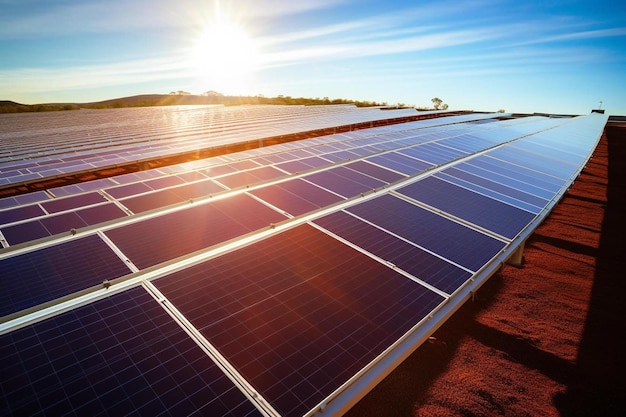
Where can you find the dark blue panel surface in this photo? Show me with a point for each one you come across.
(550, 166)
(299, 313)
(400, 163)
(20, 213)
(489, 193)
(68, 203)
(46, 274)
(344, 181)
(515, 171)
(296, 196)
(25, 232)
(62, 223)
(119, 356)
(444, 237)
(433, 153)
(294, 166)
(166, 237)
(421, 264)
(100, 214)
(519, 194)
(475, 208)
(467, 143)
(506, 180)
(146, 202)
(375, 171)
(128, 190)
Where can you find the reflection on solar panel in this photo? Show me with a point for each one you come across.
(282, 280)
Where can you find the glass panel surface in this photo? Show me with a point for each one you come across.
(475, 208)
(169, 236)
(421, 264)
(20, 213)
(400, 163)
(119, 356)
(24, 232)
(43, 275)
(492, 185)
(299, 313)
(296, 196)
(68, 203)
(375, 171)
(448, 239)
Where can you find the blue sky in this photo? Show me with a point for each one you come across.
(544, 56)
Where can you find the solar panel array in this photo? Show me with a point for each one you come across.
(283, 280)
(35, 146)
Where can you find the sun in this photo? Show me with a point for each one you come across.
(225, 58)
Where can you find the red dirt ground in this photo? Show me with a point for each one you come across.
(547, 339)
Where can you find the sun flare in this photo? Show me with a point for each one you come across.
(225, 58)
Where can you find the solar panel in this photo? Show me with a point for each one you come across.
(117, 356)
(304, 314)
(281, 280)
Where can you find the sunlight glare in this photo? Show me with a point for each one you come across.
(225, 58)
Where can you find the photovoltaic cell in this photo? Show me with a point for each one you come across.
(519, 193)
(100, 214)
(151, 201)
(519, 172)
(550, 166)
(197, 189)
(251, 177)
(375, 171)
(122, 355)
(68, 203)
(24, 232)
(344, 181)
(20, 213)
(43, 275)
(128, 190)
(507, 181)
(298, 313)
(296, 196)
(63, 223)
(490, 193)
(473, 207)
(421, 264)
(448, 239)
(400, 163)
(169, 236)
(433, 153)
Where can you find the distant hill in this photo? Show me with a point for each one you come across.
(146, 100)
(7, 106)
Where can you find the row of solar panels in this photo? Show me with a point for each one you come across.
(285, 294)
(115, 137)
(97, 201)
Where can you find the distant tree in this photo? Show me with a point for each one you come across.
(438, 104)
(501, 111)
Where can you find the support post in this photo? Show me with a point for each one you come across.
(517, 259)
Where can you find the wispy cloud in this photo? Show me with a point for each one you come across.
(580, 35)
(38, 80)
